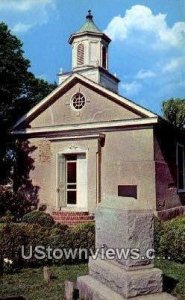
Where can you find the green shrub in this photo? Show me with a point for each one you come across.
(180, 290)
(81, 236)
(7, 218)
(39, 217)
(78, 237)
(11, 239)
(172, 240)
(158, 227)
(14, 236)
(58, 229)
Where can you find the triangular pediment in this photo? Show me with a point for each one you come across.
(101, 105)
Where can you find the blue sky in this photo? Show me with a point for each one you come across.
(147, 52)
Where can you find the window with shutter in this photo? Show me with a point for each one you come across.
(80, 54)
(104, 57)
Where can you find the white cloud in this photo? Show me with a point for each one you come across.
(155, 55)
(23, 5)
(131, 88)
(134, 87)
(174, 65)
(21, 27)
(144, 74)
(25, 14)
(140, 17)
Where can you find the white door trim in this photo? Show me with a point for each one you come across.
(77, 151)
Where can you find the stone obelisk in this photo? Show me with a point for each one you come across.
(121, 225)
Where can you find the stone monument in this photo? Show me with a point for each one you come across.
(121, 225)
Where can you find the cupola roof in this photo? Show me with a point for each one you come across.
(89, 25)
(89, 28)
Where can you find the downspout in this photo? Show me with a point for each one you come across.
(101, 141)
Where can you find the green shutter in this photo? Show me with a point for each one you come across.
(61, 181)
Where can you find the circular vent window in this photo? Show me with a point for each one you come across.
(78, 101)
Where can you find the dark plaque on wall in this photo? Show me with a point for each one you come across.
(127, 191)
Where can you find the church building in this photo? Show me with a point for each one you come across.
(92, 144)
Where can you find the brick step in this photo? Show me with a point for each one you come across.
(76, 213)
(72, 218)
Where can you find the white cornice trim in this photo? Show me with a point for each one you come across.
(113, 95)
(100, 125)
(99, 136)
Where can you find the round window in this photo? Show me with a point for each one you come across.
(78, 101)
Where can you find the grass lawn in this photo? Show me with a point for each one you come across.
(29, 283)
(174, 277)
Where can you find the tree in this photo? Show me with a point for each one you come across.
(174, 111)
(19, 88)
(19, 91)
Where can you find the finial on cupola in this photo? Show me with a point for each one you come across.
(89, 15)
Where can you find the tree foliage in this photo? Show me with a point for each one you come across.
(20, 90)
(174, 111)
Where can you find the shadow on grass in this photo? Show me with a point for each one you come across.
(169, 284)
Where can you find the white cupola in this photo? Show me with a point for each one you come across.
(90, 55)
(89, 46)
